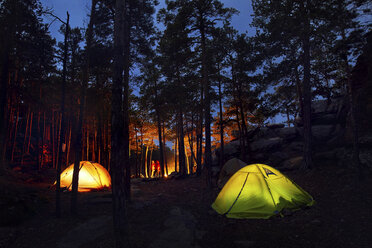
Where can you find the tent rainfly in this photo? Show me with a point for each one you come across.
(91, 176)
(259, 191)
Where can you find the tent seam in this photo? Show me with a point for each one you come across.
(238, 194)
(268, 188)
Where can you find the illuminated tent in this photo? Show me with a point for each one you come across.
(91, 176)
(259, 191)
(229, 169)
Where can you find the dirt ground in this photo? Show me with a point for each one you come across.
(177, 213)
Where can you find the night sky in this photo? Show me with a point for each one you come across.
(79, 9)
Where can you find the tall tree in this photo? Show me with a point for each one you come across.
(284, 27)
(201, 17)
(350, 39)
(117, 141)
(79, 125)
(62, 114)
(151, 93)
(26, 51)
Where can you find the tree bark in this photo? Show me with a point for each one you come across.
(127, 64)
(353, 111)
(161, 147)
(308, 163)
(79, 127)
(207, 104)
(221, 157)
(181, 145)
(118, 144)
(62, 130)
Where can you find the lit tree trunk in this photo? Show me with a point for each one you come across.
(87, 127)
(164, 152)
(29, 136)
(15, 135)
(161, 147)
(147, 173)
(150, 160)
(175, 153)
(25, 138)
(181, 146)
(38, 137)
(136, 165)
(42, 142)
(68, 148)
(118, 144)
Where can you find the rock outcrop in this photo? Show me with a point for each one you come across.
(282, 147)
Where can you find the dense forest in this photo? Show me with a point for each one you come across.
(176, 84)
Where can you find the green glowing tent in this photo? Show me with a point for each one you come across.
(259, 191)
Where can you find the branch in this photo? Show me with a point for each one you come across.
(50, 12)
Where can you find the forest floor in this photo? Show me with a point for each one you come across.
(177, 213)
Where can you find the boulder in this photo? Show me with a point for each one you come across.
(365, 140)
(288, 133)
(324, 119)
(266, 144)
(292, 163)
(231, 148)
(215, 170)
(276, 158)
(275, 125)
(325, 155)
(324, 106)
(258, 158)
(297, 146)
(365, 157)
(322, 132)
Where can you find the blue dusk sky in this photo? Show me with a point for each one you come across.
(79, 9)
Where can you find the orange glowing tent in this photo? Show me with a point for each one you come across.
(91, 176)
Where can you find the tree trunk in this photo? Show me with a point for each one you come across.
(164, 151)
(127, 63)
(175, 153)
(181, 146)
(79, 121)
(136, 163)
(3, 95)
(62, 129)
(15, 135)
(353, 111)
(199, 138)
(29, 136)
(221, 157)
(159, 133)
(308, 163)
(207, 104)
(118, 144)
(25, 138)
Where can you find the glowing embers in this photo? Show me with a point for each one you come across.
(92, 176)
